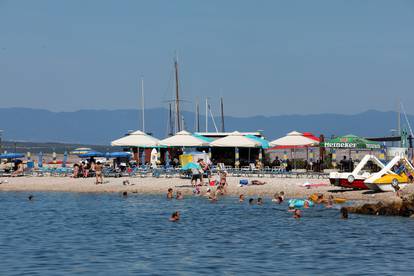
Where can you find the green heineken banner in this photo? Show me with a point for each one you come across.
(351, 142)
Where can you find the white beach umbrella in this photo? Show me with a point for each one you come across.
(183, 139)
(137, 139)
(235, 140)
(293, 139)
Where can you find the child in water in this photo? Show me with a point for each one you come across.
(175, 216)
(279, 197)
(170, 194)
(179, 195)
(297, 214)
(259, 201)
(241, 198)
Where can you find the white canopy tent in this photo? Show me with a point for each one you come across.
(137, 139)
(235, 140)
(293, 139)
(184, 139)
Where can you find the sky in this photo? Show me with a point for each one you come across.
(263, 57)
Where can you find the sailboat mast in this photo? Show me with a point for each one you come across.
(177, 97)
(170, 122)
(399, 122)
(206, 114)
(222, 114)
(197, 119)
(142, 104)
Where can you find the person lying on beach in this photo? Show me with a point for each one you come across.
(179, 195)
(259, 201)
(175, 216)
(241, 198)
(170, 194)
(297, 214)
(258, 182)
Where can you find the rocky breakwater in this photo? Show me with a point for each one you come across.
(403, 206)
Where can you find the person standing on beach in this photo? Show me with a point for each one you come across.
(98, 173)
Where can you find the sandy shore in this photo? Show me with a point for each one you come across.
(292, 187)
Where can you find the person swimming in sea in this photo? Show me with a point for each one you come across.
(179, 195)
(278, 197)
(125, 194)
(330, 202)
(251, 201)
(170, 193)
(241, 198)
(297, 214)
(344, 213)
(175, 216)
(260, 201)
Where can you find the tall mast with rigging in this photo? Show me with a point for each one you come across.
(177, 96)
(222, 114)
(142, 104)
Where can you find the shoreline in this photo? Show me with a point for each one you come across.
(158, 186)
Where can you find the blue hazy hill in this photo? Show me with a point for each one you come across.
(102, 126)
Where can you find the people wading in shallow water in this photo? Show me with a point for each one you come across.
(175, 216)
(241, 198)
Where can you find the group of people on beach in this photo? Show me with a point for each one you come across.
(84, 169)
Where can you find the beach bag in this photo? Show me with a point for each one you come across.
(244, 182)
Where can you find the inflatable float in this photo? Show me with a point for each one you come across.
(300, 203)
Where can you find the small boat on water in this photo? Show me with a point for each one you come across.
(356, 178)
(396, 175)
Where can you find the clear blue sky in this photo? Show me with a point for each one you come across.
(265, 57)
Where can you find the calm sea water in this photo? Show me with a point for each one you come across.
(106, 234)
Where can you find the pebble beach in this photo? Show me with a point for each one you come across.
(293, 187)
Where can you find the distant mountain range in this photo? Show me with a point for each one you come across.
(99, 127)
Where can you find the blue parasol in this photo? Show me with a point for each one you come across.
(92, 154)
(120, 154)
(11, 155)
